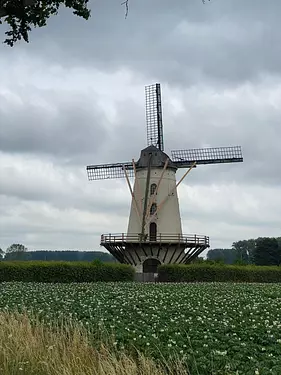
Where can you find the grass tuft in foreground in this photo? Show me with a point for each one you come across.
(35, 349)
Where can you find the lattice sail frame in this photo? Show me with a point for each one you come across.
(109, 171)
(185, 158)
(180, 158)
(153, 109)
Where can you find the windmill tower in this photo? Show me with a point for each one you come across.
(154, 235)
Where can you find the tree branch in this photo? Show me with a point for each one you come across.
(21, 15)
(126, 3)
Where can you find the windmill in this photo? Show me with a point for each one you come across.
(154, 235)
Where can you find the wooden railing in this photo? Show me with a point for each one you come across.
(164, 238)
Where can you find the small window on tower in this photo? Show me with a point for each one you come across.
(153, 208)
(152, 188)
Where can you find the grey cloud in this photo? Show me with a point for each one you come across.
(61, 126)
(249, 117)
(70, 125)
(182, 42)
(41, 225)
(225, 207)
(44, 183)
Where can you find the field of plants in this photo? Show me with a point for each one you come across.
(215, 328)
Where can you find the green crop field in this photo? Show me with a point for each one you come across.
(216, 328)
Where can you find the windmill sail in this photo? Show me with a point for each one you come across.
(154, 116)
(185, 158)
(109, 171)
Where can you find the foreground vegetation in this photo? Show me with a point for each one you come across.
(212, 328)
(34, 349)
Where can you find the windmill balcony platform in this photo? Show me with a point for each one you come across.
(123, 238)
(148, 252)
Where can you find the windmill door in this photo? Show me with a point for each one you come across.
(150, 266)
(152, 232)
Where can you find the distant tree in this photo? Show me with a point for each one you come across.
(227, 256)
(16, 252)
(267, 252)
(2, 254)
(64, 255)
(245, 250)
(215, 254)
(279, 242)
(21, 15)
(16, 247)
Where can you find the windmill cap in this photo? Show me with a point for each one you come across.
(158, 159)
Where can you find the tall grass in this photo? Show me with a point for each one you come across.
(31, 348)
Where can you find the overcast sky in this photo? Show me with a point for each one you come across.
(74, 96)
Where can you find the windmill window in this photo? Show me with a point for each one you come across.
(153, 208)
(153, 188)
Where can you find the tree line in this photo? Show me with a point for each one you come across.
(262, 251)
(20, 252)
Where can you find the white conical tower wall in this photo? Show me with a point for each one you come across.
(168, 218)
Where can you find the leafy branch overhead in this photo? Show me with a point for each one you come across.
(21, 15)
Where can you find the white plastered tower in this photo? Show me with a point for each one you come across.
(167, 218)
(155, 215)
